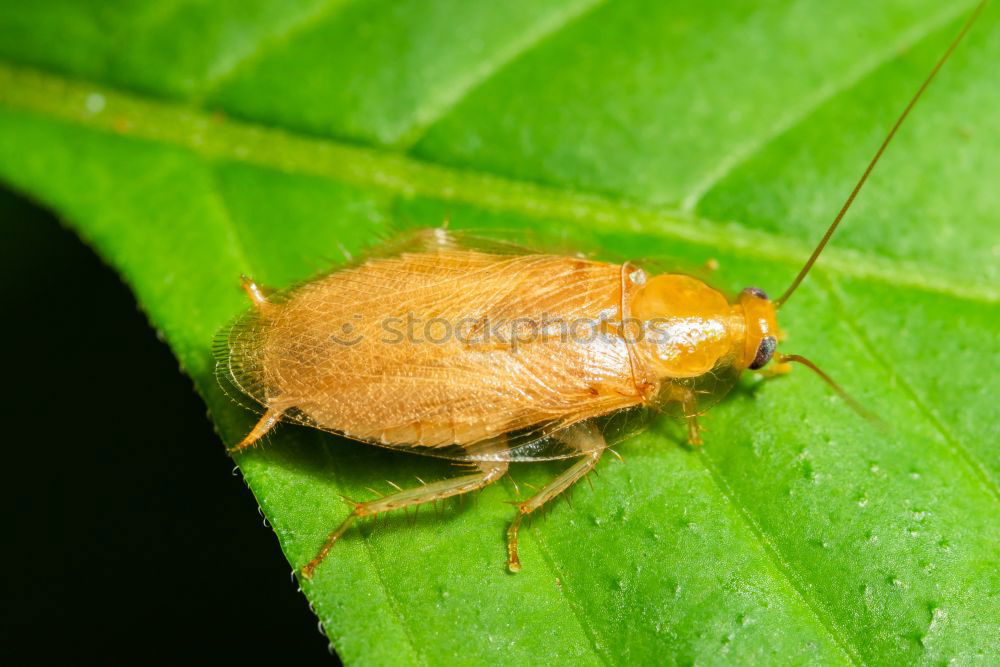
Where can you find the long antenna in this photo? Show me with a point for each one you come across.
(878, 154)
(850, 400)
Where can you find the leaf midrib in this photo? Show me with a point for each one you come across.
(218, 137)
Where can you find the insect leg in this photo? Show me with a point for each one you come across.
(694, 430)
(689, 405)
(266, 423)
(591, 444)
(257, 294)
(489, 472)
(688, 400)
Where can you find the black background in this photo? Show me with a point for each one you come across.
(127, 537)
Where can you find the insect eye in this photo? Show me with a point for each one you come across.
(764, 352)
(756, 291)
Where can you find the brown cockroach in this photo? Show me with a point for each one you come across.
(486, 356)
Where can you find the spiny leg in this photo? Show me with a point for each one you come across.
(271, 417)
(489, 472)
(257, 293)
(589, 441)
(694, 430)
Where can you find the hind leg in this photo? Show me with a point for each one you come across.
(270, 419)
(589, 441)
(489, 472)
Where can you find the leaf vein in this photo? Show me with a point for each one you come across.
(957, 447)
(553, 567)
(267, 44)
(430, 113)
(387, 591)
(811, 103)
(783, 567)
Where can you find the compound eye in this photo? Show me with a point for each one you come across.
(756, 291)
(764, 352)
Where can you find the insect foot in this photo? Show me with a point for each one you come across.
(569, 477)
(488, 472)
(309, 568)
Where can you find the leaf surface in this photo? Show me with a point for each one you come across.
(191, 142)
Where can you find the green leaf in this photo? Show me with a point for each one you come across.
(190, 142)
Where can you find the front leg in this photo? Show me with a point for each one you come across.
(687, 399)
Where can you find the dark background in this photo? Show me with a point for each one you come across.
(127, 538)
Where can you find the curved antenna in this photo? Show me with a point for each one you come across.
(878, 154)
(850, 400)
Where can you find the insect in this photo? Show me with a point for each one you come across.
(486, 356)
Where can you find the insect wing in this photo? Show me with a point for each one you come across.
(431, 254)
